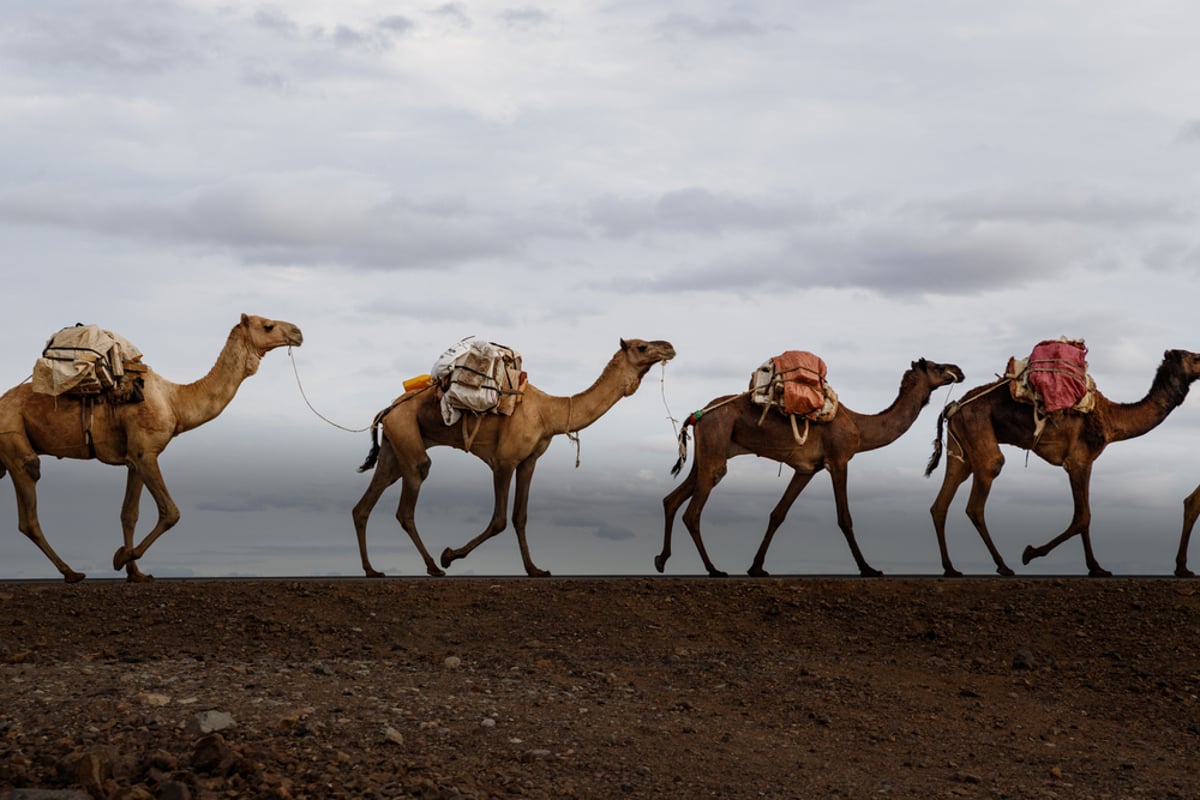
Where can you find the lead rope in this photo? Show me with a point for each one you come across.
(572, 435)
(310, 405)
(662, 387)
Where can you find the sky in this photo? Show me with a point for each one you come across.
(871, 181)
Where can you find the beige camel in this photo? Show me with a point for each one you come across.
(507, 444)
(33, 424)
(733, 428)
(988, 416)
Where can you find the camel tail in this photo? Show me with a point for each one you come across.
(683, 441)
(936, 457)
(373, 456)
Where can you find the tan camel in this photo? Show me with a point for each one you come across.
(733, 429)
(507, 444)
(33, 424)
(987, 417)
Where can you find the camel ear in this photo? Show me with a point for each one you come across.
(919, 364)
(245, 319)
(624, 344)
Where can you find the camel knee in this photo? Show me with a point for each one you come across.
(33, 467)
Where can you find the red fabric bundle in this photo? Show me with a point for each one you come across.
(1058, 373)
(803, 377)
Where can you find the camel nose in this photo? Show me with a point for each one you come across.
(294, 337)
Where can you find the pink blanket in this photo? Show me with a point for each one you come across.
(1058, 373)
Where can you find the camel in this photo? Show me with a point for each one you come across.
(1191, 510)
(988, 416)
(507, 444)
(731, 427)
(33, 424)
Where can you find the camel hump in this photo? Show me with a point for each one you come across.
(86, 360)
(794, 383)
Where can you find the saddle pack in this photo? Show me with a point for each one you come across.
(1054, 377)
(479, 377)
(89, 362)
(793, 382)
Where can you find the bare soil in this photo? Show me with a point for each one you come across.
(600, 688)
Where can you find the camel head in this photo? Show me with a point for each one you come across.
(267, 334)
(641, 355)
(1183, 363)
(939, 374)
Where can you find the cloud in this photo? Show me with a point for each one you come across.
(316, 217)
(454, 14)
(699, 211)
(599, 529)
(1046, 207)
(687, 26)
(524, 18)
(1189, 132)
(100, 37)
(273, 19)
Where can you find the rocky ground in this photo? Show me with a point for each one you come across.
(600, 688)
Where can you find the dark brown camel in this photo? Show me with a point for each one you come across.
(733, 429)
(1191, 510)
(508, 444)
(987, 417)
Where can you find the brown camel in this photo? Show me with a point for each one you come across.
(33, 424)
(731, 428)
(1191, 510)
(987, 417)
(507, 444)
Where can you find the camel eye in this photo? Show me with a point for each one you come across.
(642, 348)
(268, 327)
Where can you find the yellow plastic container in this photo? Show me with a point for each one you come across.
(419, 382)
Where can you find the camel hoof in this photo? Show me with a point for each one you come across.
(1183, 572)
(1029, 554)
(538, 573)
(122, 557)
(871, 572)
(758, 572)
(660, 562)
(71, 576)
(1099, 572)
(374, 573)
(138, 577)
(447, 557)
(434, 572)
(1005, 571)
(716, 573)
(951, 572)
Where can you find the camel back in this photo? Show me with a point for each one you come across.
(87, 361)
(1054, 377)
(794, 383)
(480, 377)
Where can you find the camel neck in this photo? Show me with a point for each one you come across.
(1130, 420)
(200, 401)
(880, 430)
(578, 411)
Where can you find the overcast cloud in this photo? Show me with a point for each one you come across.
(873, 183)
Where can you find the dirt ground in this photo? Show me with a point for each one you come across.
(601, 688)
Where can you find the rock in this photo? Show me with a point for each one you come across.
(1023, 659)
(392, 735)
(452, 662)
(207, 722)
(47, 794)
(152, 698)
(174, 790)
(211, 753)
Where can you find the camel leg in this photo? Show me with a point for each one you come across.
(24, 480)
(168, 512)
(957, 471)
(1191, 510)
(838, 473)
(706, 480)
(986, 471)
(671, 504)
(388, 470)
(129, 518)
(521, 512)
(1081, 521)
(501, 481)
(778, 514)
